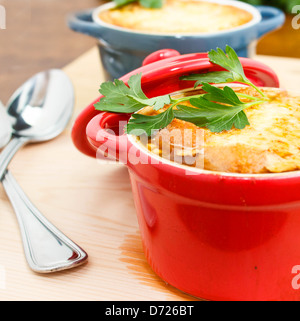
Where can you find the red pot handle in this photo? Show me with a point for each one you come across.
(167, 53)
(160, 55)
(105, 134)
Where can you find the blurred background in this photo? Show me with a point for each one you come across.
(37, 38)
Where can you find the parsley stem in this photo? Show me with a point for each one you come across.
(175, 102)
(253, 103)
(255, 87)
(186, 98)
(249, 97)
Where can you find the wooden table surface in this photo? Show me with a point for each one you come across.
(92, 204)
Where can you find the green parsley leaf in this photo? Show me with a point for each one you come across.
(157, 102)
(217, 109)
(216, 117)
(221, 117)
(213, 116)
(199, 117)
(216, 77)
(120, 98)
(228, 60)
(226, 95)
(141, 124)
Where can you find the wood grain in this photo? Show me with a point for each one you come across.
(91, 203)
(37, 37)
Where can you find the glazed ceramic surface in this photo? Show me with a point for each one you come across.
(123, 50)
(216, 236)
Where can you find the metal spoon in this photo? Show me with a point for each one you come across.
(39, 111)
(5, 128)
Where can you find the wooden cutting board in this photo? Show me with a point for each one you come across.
(92, 204)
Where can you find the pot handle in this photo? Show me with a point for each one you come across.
(105, 134)
(82, 22)
(272, 19)
(160, 55)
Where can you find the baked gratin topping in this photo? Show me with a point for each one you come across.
(177, 17)
(270, 144)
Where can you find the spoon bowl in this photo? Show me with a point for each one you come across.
(41, 108)
(38, 111)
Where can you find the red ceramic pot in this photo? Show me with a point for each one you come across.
(213, 235)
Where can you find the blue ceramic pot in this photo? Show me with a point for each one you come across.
(123, 50)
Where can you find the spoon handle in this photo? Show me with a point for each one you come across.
(46, 248)
(9, 151)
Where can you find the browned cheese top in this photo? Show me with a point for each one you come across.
(271, 144)
(177, 17)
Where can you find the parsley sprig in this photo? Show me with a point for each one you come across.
(228, 60)
(142, 124)
(129, 99)
(218, 109)
(215, 116)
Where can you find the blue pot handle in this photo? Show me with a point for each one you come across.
(83, 22)
(272, 18)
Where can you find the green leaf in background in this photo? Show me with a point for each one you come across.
(151, 4)
(286, 5)
(121, 3)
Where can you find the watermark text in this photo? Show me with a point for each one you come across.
(180, 146)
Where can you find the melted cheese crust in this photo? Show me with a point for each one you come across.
(271, 144)
(177, 17)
